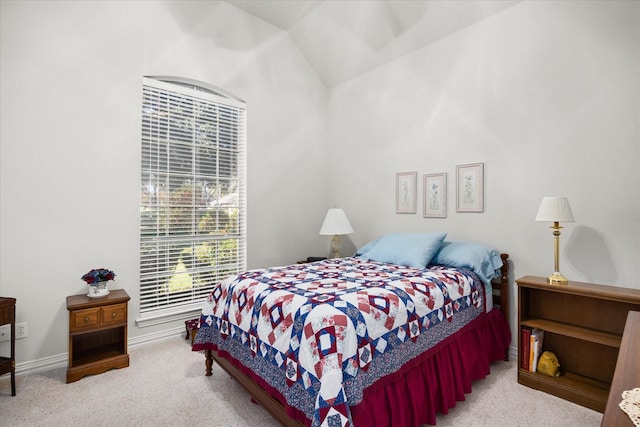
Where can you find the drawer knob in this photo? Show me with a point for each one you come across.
(86, 319)
(114, 314)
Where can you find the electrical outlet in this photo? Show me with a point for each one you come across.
(5, 332)
(21, 330)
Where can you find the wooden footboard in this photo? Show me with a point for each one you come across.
(272, 406)
(500, 287)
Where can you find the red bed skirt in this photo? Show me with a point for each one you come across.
(437, 379)
(432, 383)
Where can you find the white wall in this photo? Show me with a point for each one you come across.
(546, 94)
(70, 84)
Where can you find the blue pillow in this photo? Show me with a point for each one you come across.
(367, 247)
(409, 249)
(479, 258)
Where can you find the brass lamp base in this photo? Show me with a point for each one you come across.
(557, 279)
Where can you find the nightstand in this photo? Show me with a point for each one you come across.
(8, 315)
(97, 334)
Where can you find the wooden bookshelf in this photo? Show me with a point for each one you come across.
(583, 324)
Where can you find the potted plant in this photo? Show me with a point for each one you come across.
(97, 279)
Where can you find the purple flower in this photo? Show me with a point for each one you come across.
(98, 275)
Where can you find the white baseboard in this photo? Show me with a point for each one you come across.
(62, 360)
(146, 339)
(44, 364)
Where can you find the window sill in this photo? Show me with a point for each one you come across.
(170, 315)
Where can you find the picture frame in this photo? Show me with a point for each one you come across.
(406, 194)
(434, 199)
(470, 187)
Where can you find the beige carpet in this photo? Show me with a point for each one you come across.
(165, 386)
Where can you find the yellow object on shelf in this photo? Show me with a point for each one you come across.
(549, 364)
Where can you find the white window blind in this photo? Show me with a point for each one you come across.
(192, 204)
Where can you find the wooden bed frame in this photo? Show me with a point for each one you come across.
(500, 287)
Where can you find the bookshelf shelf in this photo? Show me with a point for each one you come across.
(604, 338)
(583, 325)
(567, 386)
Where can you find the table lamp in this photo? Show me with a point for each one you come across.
(335, 224)
(556, 210)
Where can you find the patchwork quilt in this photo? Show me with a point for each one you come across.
(320, 333)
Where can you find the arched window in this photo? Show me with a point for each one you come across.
(192, 194)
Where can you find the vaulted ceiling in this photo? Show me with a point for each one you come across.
(344, 38)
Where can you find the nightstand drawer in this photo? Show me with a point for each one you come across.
(81, 319)
(7, 314)
(115, 313)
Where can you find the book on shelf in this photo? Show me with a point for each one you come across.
(525, 339)
(535, 350)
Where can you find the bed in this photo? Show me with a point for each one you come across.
(391, 336)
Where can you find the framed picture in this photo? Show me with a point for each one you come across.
(406, 192)
(435, 195)
(470, 187)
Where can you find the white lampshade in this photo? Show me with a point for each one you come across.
(335, 223)
(555, 209)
